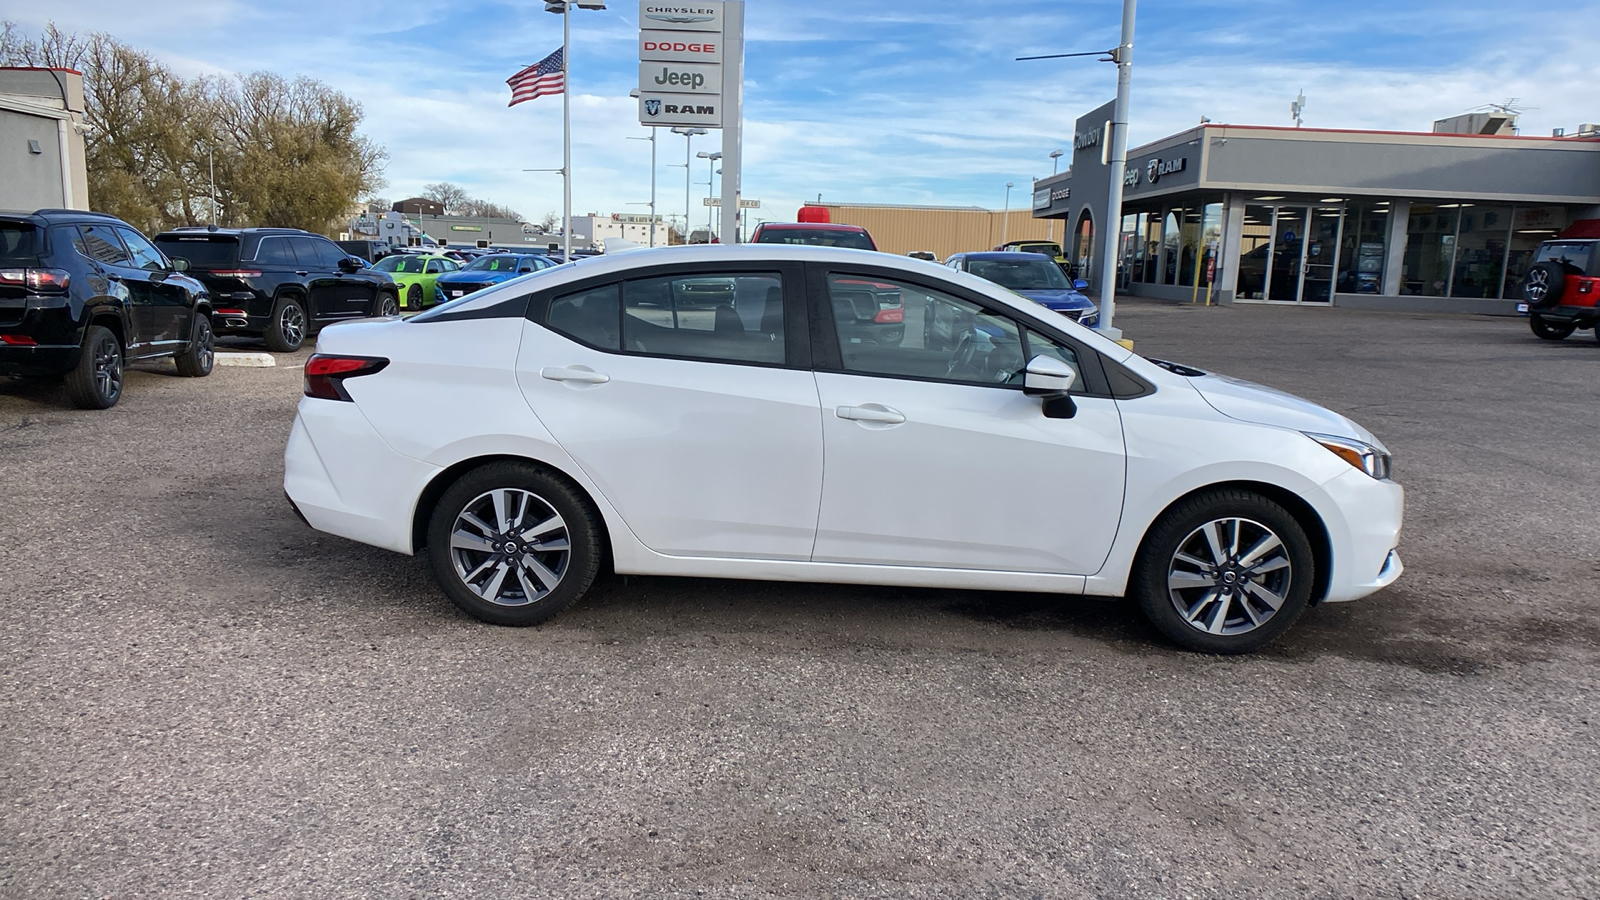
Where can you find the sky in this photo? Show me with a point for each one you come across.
(892, 101)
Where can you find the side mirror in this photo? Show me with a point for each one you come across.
(349, 264)
(179, 264)
(1080, 284)
(1047, 377)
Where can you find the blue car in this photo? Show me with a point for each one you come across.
(1033, 275)
(487, 271)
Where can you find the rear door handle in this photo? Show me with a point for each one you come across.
(872, 412)
(585, 376)
(302, 273)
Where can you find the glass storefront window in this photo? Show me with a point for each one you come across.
(1171, 240)
(1529, 226)
(1480, 251)
(1147, 247)
(1288, 253)
(1254, 245)
(1210, 242)
(1189, 252)
(1430, 249)
(1361, 252)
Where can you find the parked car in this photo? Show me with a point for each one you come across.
(1562, 288)
(817, 234)
(415, 275)
(1034, 276)
(928, 255)
(585, 423)
(487, 271)
(82, 294)
(280, 284)
(369, 251)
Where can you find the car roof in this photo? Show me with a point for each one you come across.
(235, 232)
(999, 254)
(56, 216)
(819, 226)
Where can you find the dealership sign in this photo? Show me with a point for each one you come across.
(680, 78)
(680, 64)
(681, 16)
(1159, 167)
(676, 46)
(680, 109)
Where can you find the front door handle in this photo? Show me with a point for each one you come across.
(585, 376)
(872, 412)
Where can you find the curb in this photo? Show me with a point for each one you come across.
(250, 360)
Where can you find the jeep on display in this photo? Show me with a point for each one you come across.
(1562, 288)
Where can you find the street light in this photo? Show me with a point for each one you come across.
(652, 140)
(1055, 161)
(1005, 219)
(688, 141)
(563, 8)
(711, 164)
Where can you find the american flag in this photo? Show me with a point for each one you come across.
(547, 76)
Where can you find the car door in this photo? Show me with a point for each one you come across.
(702, 429)
(161, 306)
(356, 291)
(936, 458)
(323, 285)
(110, 257)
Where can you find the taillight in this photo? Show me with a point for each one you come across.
(325, 375)
(892, 315)
(18, 340)
(40, 281)
(236, 273)
(229, 312)
(1585, 285)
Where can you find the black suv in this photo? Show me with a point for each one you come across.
(281, 284)
(82, 292)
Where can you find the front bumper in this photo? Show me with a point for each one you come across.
(1363, 535)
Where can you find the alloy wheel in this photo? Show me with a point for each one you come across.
(1229, 576)
(510, 547)
(1537, 285)
(108, 370)
(292, 323)
(208, 346)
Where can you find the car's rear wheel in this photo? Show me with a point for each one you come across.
(512, 544)
(1224, 572)
(1550, 330)
(96, 381)
(196, 361)
(286, 332)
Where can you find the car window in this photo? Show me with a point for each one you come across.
(20, 242)
(275, 251)
(1044, 345)
(951, 339)
(590, 316)
(1574, 253)
(1025, 272)
(203, 251)
(527, 264)
(728, 318)
(434, 267)
(329, 256)
(145, 255)
(494, 264)
(306, 251)
(101, 244)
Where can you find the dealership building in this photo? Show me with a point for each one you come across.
(1377, 219)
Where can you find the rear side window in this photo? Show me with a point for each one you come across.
(275, 251)
(101, 244)
(727, 318)
(145, 255)
(19, 242)
(201, 250)
(590, 317)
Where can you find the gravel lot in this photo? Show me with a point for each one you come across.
(202, 697)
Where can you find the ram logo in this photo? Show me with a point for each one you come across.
(652, 108)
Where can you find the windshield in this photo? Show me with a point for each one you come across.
(405, 265)
(820, 237)
(202, 251)
(1575, 253)
(19, 242)
(1030, 273)
(493, 264)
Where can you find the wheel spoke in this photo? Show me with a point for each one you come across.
(1193, 612)
(501, 517)
(554, 523)
(483, 567)
(1195, 561)
(1219, 616)
(552, 546)
(1179, 580)
(1250, 611)
(1271, 565)
(466, 540)
(477, 523)
(546, 577)
(491, 591)
(1272, 601)
(1213, 533)
(1267, 543)
(528, 590)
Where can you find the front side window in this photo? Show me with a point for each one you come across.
(493, 264)
(403, 265)
(101, 244)
(957, 341)
(728, 318)
(328, 253)
(145, 255)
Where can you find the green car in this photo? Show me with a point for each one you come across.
(415, 274)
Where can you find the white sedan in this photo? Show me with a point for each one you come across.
(768, 412)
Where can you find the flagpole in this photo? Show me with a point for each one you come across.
(566, 131)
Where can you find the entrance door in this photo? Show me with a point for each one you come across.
(1288, 248)
(1301, 256)
(1322, 245)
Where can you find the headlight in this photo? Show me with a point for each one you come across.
(1369, 458)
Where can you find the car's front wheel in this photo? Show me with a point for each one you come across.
(512, 544)
(1224, 572)
(414, 297)
(96, 381)
(1550, 330)
(387, 305)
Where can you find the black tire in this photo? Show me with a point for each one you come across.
(388, 305)
(196, 361)
(1237, 592)
(96, 381)
(1551, 330)
(414, 297)
(288, 327)
(1544, 284)
(511, 604)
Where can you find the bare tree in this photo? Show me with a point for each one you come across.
(548, 221)
(453, 197)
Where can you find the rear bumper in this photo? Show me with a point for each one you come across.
(1566, 313)
(43, 361)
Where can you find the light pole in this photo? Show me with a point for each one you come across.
(652, 140)
(688, 141)
(563, 8)
(1005, 218)
(1055, 166)
(711, 191)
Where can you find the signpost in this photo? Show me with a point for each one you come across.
(691, 72)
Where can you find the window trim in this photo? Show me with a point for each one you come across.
(127, 264)
(797, 348)
(829, 357)
(161, 257)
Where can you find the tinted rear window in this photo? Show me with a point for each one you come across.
(203, 251)
(19, 242)
(819, 237)
(1577, 254)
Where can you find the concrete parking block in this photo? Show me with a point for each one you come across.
(249, 360)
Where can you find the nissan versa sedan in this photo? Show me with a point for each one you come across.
(532, 432)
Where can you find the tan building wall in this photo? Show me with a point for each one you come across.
(942, 229)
